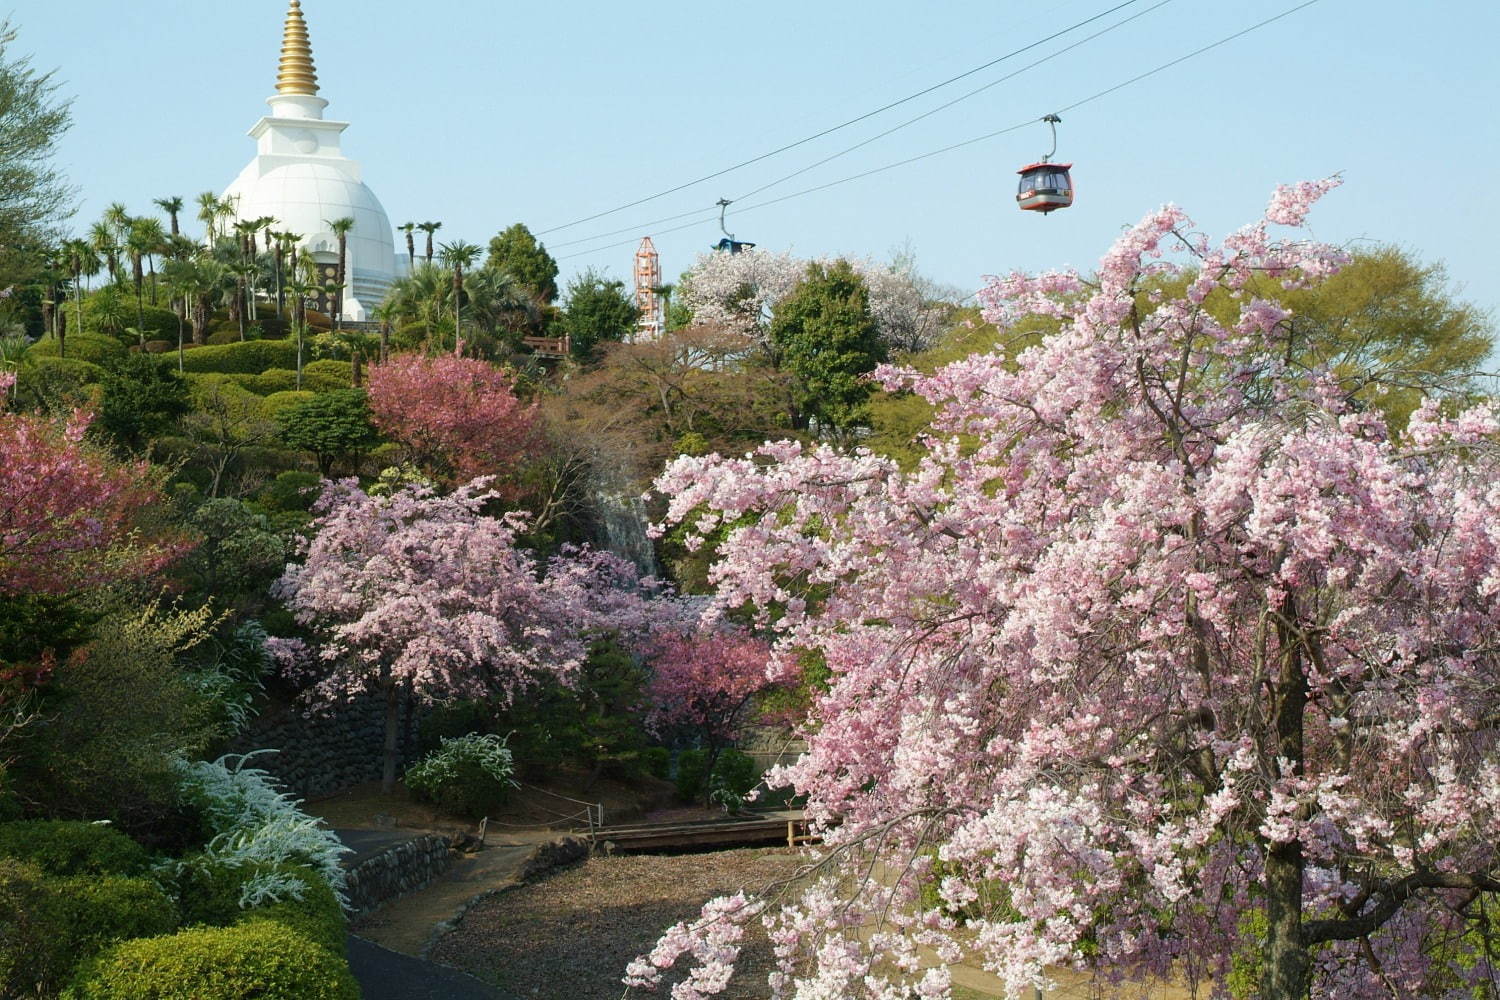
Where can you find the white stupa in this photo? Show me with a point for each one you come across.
(301, 178)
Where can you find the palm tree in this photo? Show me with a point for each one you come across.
(208, 214)
(182, 280)
(224, 210)
(244, 276)
(341, 227)
(171, 205)
(153, 238)
(411, 245)
(459, 255)
(140, 241)
(299, 290)
(102, 239)
(81, 260)
(429, 228)
(384, 314)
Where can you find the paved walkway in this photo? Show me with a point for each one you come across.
(387, 975)
(388, 947)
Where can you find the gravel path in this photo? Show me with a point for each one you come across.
(570, 935)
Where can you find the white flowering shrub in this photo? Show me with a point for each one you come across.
(467, 775)
(255, 824)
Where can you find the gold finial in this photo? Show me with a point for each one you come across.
(296, 74)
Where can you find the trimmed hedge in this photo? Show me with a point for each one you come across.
(333, 370)
(49, 925)
(259, 958)
(278, 401)
(67, 847)
(250, 357)
(210, 894)
(159, 323)
(95, 348)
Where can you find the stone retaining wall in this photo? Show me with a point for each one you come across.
(402, 868)
(322, 754)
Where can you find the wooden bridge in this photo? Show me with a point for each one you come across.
(781, 826)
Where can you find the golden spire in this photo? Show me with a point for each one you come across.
(296, 74)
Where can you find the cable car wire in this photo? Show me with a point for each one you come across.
(962, 97)
(977, 139)
(843, 125)
(874, 138)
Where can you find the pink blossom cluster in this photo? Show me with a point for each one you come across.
(428, 589)
(70, 514)
(1153, 618)
(459, 417)
(704, 676)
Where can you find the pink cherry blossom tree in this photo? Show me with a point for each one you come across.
(1167, 661)
(71, 516)
(459, 417)
(424, 590)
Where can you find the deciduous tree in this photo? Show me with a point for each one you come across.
(69, 515)
(1167, 660)
(423, 589)
(459, 417)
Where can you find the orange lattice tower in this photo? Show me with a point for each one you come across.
(648, 291)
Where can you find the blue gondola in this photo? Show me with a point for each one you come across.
(729, 244)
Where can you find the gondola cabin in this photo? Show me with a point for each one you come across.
(1045, 187)
(732, 245)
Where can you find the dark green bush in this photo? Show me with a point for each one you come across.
(229, 336)
(259, 958)
(95, 348)
(56, 385)
(209, 893)
(734, 772)
(293, 490)
(68, 847)
(49, 925)
(657, 762)
(250, 357)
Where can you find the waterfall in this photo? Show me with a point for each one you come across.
(622, 527)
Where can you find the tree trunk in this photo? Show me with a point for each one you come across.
(392, 718)
(1288, 966)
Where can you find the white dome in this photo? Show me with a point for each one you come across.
(303, 197)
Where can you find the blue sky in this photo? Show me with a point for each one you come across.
(480, 114)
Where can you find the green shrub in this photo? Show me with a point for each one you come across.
(733, 776)
(211, 892)
(250, 357)
(338, 372)
(158, 322)
(275, 380)
(230, 336)
(657, 762)
(99, 911)
(259, 958)
(294, 490)
(278, 401)
(68, 847)
(468, 775)
(158, 346)
(56, 385)
(30, 952)
(94, 348)
(49, 925)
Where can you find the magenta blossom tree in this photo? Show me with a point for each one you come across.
(703, 676)
(425, 590)
(1167, 661)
